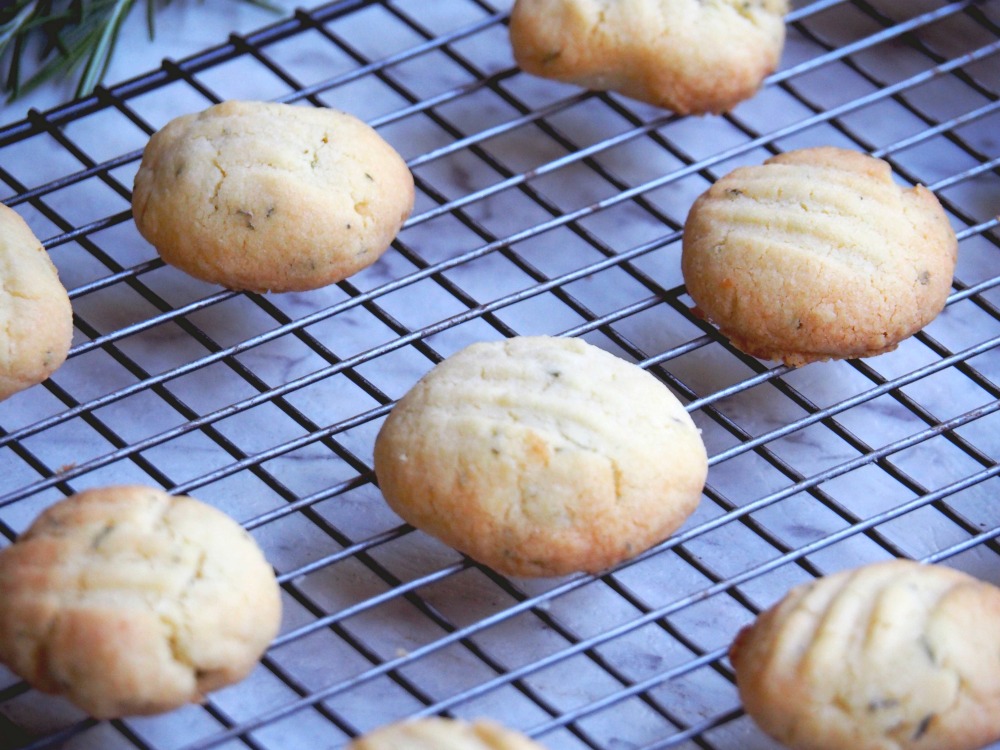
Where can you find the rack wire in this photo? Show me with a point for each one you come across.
(541, 208)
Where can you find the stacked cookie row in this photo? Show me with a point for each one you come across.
(816, 254)
(129, 601)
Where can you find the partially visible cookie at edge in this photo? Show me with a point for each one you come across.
(129, 601)
(541, 456)
(817, 254)
(438, 733)
(262, 196)
(35, 310)
(895, 655)
(688, 56)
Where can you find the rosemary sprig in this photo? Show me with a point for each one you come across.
(68, 34)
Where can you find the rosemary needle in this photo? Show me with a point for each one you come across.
(68, 34)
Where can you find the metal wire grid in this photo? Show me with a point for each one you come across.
(541, 209)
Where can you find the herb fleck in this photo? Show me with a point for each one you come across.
(923, 726)
(926, 647)
(881, 704)
(102, 535)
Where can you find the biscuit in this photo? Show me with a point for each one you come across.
(688, 56)
(262, 196)
(128, 601)
(890, 656)
(444, 734)
(817, 254)
(35, 312)
(541, 456)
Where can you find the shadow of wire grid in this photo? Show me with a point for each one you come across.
(541, 208)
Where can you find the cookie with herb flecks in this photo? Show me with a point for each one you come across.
(263, 196)
(36, 315)
(889, 656)
(541, 456)
(817, 254)
(688, 56)
(128, 601)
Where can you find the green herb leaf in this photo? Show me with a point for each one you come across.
(69, 34)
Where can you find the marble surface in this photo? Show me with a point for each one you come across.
(541, 209)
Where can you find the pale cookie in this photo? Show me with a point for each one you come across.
(444, 734)
(35, 312)
(270, 197)
(127, 601)
(541, 456)
(817, 254)
(688, 56)
(889, 656)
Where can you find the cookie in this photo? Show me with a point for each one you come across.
(688, 56)
(541, 456)
(270, 197)
(128, 601)
(890, 656)
(35, 312)
(817, 254)
(444, 734)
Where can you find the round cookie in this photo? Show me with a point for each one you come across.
(444, 734)
(890, 656)
(35, 312)
(270, 197)
(128, 601)
(817, 254)
(688, 56)
(541, 456)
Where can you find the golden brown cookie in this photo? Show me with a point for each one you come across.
(817, 254)
(444, 734)
(270, 197)
(129, 601)
(889, 656)
(35, 312)
(541, 456)
(689, 56)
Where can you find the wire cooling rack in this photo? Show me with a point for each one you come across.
(541, 208)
